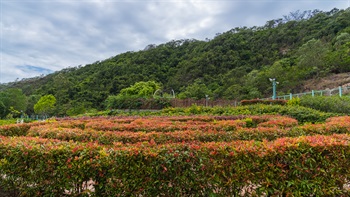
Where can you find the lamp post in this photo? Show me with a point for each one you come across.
(206, 100)
(274, 83)
(173, 93)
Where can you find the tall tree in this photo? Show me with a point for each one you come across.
(197, 90)
(312, 58)
(45, 105)
(14, 98)
(141, 89)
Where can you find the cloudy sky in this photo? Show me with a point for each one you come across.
(43, 36)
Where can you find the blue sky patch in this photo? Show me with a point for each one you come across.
(36, 69)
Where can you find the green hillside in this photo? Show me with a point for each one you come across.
(236, 64)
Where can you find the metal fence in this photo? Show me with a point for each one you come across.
(202, 102)
(327, 92)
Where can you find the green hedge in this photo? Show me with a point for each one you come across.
(133, 102)
(303, 166)
(18, 129)
(302, 114)
(334, 104)
(266, 102)
(14, 129)
(7, 121)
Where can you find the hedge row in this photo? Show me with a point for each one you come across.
(333, 104)
(130, 102)
(150, 129)
(108, 138)
(18, 129)
(149, 124)
(226, 131)
(303, 166)
(302, 114)
(266, 102)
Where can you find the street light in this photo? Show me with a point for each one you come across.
(206, 100)
(173, 93)
(274, 83)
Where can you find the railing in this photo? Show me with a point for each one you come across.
(327, 92)
(202, 102)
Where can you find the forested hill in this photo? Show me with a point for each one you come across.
(236, 64)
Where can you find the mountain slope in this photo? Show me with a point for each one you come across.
(234, 65)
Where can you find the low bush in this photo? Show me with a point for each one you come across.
(302, 114)
(123, 102)
(165, 130)
(303, 166)
(134, 102)
(333, 104)
(266, 102)
(7, 121)
(14, 129)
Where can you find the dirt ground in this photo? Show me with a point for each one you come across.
(6, 193)
(330, 82)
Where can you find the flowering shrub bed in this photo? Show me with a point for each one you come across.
(312, 165)
(266, 155)
(127, 137)
(185, 129)
(17, 129)
(169, 124)
(332, 125)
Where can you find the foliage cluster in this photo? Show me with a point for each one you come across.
(146, 161)
(166, 130)
(134, 102)
(302, 114)
(141, 89)
(266, 102)
(15, 104)
(334, 104)
(8, 121)
(233, 65)
(45, 105)
(12, 103)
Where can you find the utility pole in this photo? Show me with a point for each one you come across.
(274, 83)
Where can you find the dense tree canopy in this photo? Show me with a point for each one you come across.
(12, 100)
(141, 89)
(45, 105)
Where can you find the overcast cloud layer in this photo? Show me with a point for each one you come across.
(43, 36)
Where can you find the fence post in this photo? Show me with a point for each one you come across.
(290, 96)
(312, 93)
(340, 89)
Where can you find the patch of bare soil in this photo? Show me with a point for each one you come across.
(332, 81)
(4, 193)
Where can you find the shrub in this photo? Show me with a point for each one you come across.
(303, 166)
(294, 101)
(266, 102)
(133, 102)
(334, 104)
(123, 102)
(7, 121)
(302, 114)
(14, 129)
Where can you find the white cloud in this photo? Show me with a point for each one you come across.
(57, 34)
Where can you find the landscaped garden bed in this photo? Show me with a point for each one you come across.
(202, 155)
